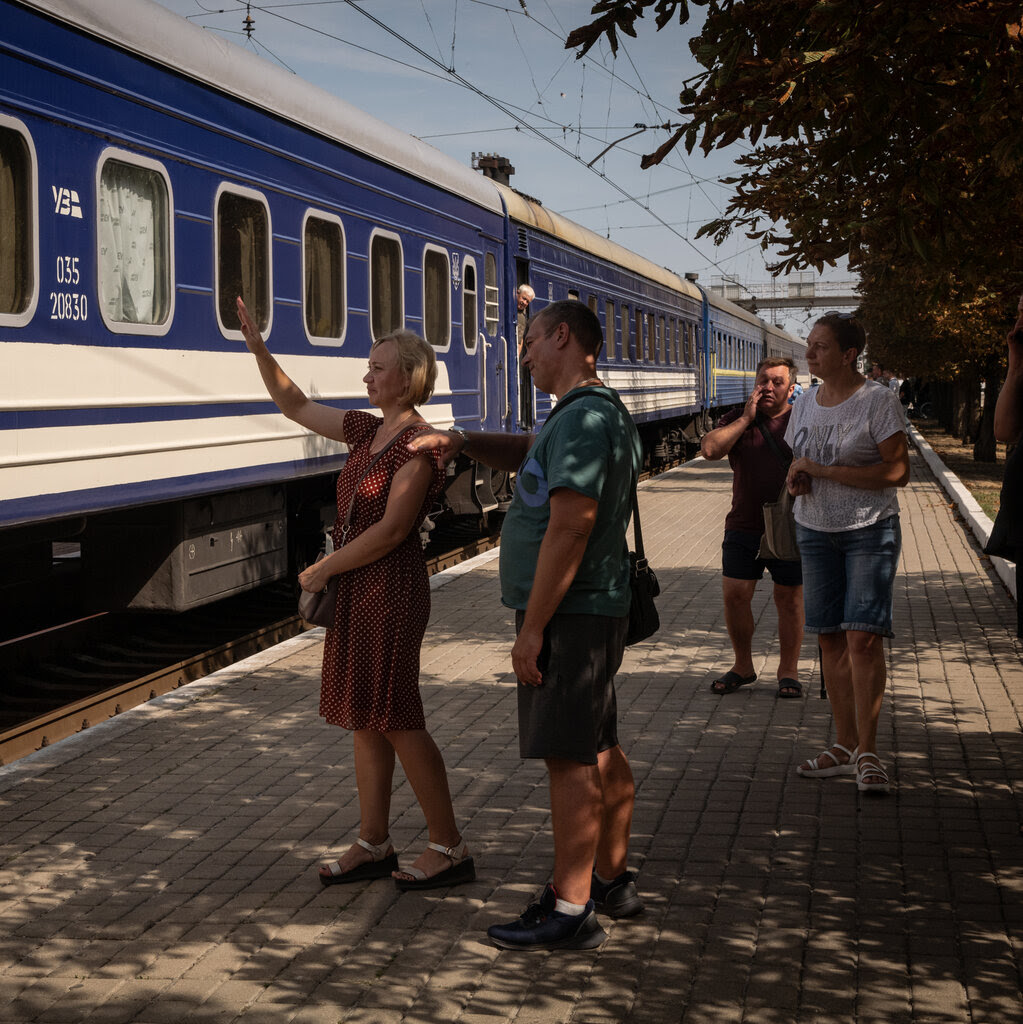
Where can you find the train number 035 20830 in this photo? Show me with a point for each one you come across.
(68, 306)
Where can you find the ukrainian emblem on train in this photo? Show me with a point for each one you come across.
(456, 273)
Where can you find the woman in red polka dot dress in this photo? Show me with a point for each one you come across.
(371, 658)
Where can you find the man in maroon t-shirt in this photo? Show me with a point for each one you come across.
(758, 474)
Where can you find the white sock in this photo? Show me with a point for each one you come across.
(572, 909)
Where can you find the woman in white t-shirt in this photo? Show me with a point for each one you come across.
(848, 438)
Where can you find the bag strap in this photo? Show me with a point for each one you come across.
(636, 527)
(773, 444)
(346, 526)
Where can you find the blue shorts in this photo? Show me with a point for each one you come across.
(849, 577)
(739, 561)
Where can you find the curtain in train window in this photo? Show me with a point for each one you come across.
(491, 295)
(134, 244)
(469, 314)
(243, 259)
(15, 223)
(437, 298)
(609, 328)
(324, 251)
(385, 285)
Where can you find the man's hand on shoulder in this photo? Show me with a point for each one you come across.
(448, 442)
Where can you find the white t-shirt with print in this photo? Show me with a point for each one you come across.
(845, 435)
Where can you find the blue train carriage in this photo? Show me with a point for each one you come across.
(735, 345)
(653, 352)
(780, 343)
(149, 173)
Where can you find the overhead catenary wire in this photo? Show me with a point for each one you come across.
(450, 74)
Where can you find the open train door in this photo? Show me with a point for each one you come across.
(495, 349)
(524, 390)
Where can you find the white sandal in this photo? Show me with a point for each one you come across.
(868, 769)
(381, 866)
(463, 869)
(819, 770)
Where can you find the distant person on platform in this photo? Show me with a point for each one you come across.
(848, 439)
(1007, 534)
(754, 441)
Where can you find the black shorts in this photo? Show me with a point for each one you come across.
(739, 561)
(574, 713)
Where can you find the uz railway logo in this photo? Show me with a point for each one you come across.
(65, 202)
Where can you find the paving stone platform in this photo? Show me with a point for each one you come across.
(162, 867)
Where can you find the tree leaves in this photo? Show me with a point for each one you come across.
(888, 132)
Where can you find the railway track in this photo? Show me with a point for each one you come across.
(67, 678)
(62, 680)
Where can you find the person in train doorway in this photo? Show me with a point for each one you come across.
(524, 295)
(565, 571)
(753, 439)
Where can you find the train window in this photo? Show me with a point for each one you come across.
(491, 295)
(592, 303)
(323, 271)
(386, 297)
(436, 297)
(135, 253)
(626, 334)
(243, 257)
(637, 341)
(609, 328)
(470, 315)
(660, 339)
(573, 295)
(651, 338)
(19, 277)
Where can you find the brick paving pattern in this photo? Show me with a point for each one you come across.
(162, 867)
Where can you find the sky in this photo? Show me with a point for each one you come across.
(519, 93)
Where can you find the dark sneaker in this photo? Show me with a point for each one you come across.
(618, 898)
(543, 927)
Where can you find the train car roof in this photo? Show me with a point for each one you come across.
(778, 332)
(164, 37)
(159, 35)
(523, 210)
(727, 306)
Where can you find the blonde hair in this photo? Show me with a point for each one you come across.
(416, 361)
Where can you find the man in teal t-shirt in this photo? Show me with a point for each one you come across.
(590, 446)
(565, 571)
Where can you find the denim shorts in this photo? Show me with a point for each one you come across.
(849, 577)
(740, 561)
(573, 714)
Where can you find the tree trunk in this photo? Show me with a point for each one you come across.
(985, 449)
(960, 411)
